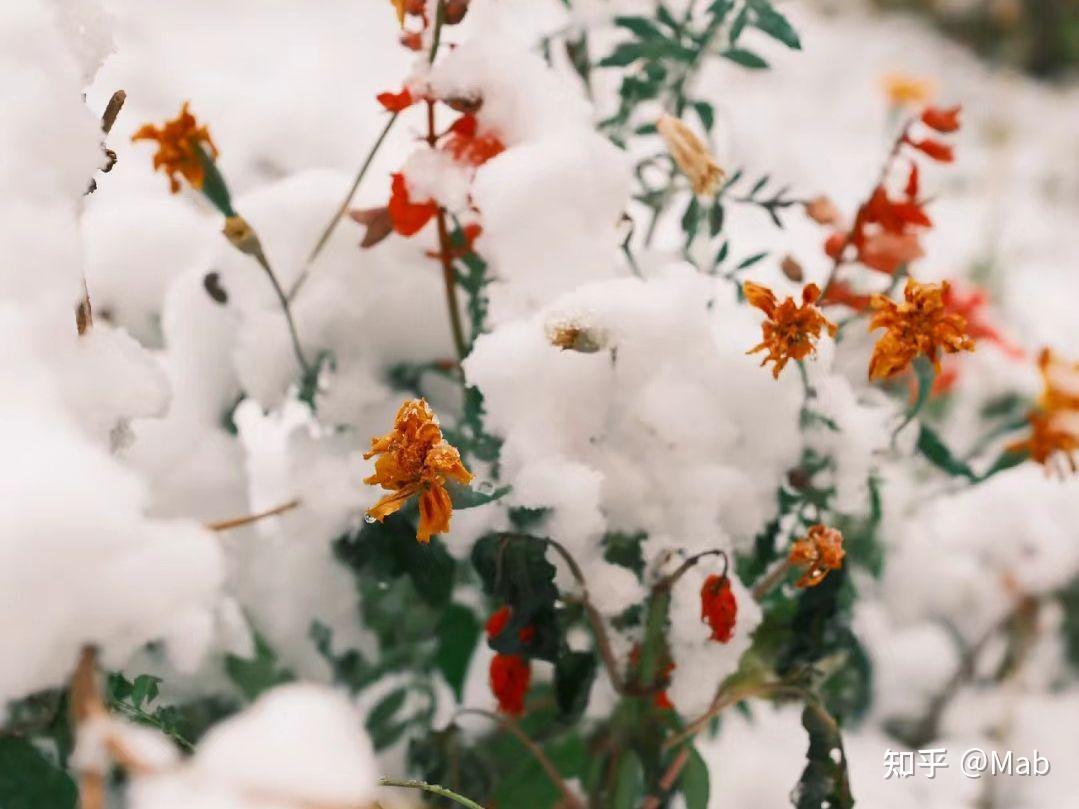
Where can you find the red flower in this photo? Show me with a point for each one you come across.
(497, 622)
(510, 676)
(396, 102)
(408, 217)
(971, 307)
(468, 146)
(935, 149)
(841, 292)
(718, 607)
(942, 120)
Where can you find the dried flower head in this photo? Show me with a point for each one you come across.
(904, 90)
(509, 678)
(920, 325)
(718, 607)
(414, 458)
(790, 331)
(181, 144)
(818, 552)
(822, 211)
(1053, 441)
(691, 155)
(570, 335)
(400, 6)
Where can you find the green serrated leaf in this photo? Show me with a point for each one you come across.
(259, 673)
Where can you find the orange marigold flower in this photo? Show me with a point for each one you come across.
(922, 324)
(1053, 441)
(179, 142)
(408, 217)
(509, 677)
(718, 607)
(1060, 379)
(941, 119)
(819, 551)
(790, 331)
(414, 459)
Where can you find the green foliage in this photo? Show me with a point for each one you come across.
(257, 674)
(694, 782)
(28, 780)
(1069, 600)
(574, 674)
(625, 551)
(824, 781)
(458, 633)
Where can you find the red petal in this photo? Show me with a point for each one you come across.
(396, 102)
(942, 120)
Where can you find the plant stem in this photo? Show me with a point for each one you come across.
(774, 577)
(434, 789)
(237, 522)
(569, 800)
(342, 208)
(595, 620)
(260, 257)
(884, 171)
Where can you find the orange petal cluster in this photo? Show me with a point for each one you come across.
(920, 325)
(790, 331)
(414, 459)
(818, 552)
(1054, 424)
(178, 144)
(719, 609)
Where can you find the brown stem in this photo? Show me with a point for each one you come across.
(238, 522)
(771, 580)
(569, 800)
(724, 699)
(668, 779)
(885, 169)
(595, 620)
(449, 274)
(692, 561)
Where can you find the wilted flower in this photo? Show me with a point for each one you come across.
(718, 607)
(691, 155)
(942, 120)
(792, 270)
(1054, 423)
(509, 678)
(790, 331)
(414, 458)
(179, 143)
(818, 552)
(467, 145)
(574, 336)
(921, 325)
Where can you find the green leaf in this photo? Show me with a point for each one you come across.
(1069, 600)
(694, 782)
(213, 185)
(715, 219)
(628, 781)
(745, 58)
(771, 22)
(641, 27)
(257, 674)
(707, 113)
(144, 689)
(466, 497)
(431, 569)
(625, 54)
(937, 453)
(30, 781)
(749, 262)
(624, 550)
(381, 723)
(739, 24)
(691, 219)
(574, 673)
(458, 632)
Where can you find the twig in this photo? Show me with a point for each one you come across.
(723, 700)
(595, 620)
(668, 779)
(238, 522)
(342, 209)
(434, 789)
(860, 215)
(569, 799)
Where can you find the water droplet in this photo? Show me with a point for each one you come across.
(367, 518)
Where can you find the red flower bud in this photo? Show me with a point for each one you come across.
(497, 622)
(935, 149)
(718, 607)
